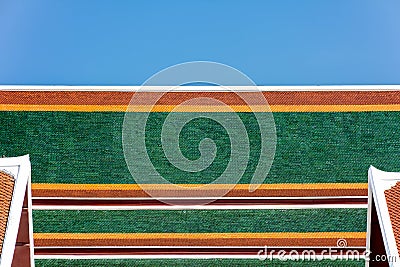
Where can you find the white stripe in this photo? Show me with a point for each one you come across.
(200, 88)
(202, 207)
(182, 256)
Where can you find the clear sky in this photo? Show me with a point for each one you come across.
(281, 42)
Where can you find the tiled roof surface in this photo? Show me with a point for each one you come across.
(6, 192)
(393, 201)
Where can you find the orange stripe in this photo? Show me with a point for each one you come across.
(208, 108)
(272, 235)
(130, 187)
(72, 108)
(333, 108)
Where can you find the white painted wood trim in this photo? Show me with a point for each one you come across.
(199, 88)
(20, 168)
(380, 181)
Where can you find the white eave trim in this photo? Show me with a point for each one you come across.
(283, 88)
(20, 169)
(380, 181)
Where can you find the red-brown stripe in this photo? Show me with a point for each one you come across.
(175, 98)
(324, 239)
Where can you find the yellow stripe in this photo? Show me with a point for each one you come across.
(286, 235)
(190, 108)
(131, 187)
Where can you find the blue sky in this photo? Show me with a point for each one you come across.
(282, 42)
